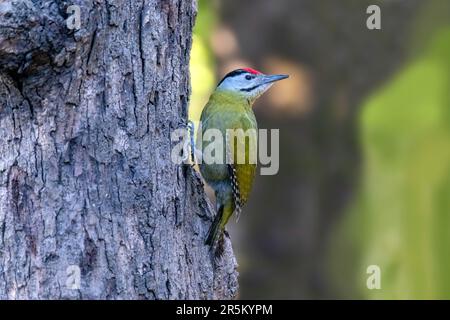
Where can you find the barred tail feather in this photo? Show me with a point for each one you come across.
(214, 230)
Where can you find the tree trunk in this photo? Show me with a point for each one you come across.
(86, 179)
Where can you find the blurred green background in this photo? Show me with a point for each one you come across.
(364, 144)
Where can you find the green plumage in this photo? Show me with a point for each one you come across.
(226, 110)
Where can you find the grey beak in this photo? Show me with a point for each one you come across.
(273, 78)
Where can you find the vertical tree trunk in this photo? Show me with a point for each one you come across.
(86, 178)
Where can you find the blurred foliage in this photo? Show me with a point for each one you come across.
(401, 218)
(202, 60)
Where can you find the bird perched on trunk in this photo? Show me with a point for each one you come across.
(230, 108)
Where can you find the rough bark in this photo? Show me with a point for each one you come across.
(86, 177)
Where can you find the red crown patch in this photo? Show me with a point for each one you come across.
(252, 71)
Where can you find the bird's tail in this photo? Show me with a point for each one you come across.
(215, 229)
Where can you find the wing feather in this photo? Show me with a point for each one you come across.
(242, 174)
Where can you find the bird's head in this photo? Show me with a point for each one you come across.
(248, 83)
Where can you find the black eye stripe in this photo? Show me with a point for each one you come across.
(232, 74)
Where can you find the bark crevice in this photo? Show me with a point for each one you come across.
(86, 177)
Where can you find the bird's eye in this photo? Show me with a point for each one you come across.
(248, 77)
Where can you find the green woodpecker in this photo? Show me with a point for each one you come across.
(230, 107)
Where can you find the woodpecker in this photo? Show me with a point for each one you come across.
(230, 108)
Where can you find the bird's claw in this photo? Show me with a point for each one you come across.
(191, 129)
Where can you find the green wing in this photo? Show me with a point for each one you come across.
(244, 166)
